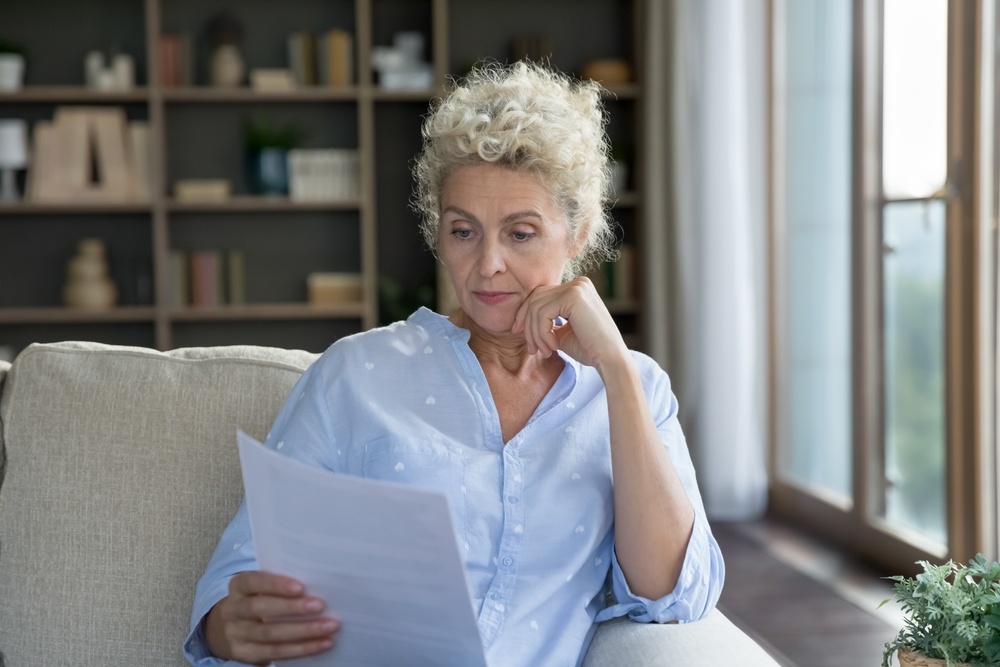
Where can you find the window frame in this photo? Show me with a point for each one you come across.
(970, 299)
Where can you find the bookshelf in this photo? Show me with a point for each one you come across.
(195, 133)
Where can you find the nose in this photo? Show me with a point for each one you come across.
(491, 258)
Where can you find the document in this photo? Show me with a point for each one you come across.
(382, 555)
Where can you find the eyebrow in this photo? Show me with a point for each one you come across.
(511, 217)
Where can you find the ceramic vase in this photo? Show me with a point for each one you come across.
(227, 66)
(88, 285)
(267, 172)
(11, 71)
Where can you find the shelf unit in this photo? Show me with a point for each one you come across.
(195, 134)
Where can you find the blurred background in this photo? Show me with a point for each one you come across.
(806, 198)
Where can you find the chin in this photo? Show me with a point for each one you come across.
(491, 318)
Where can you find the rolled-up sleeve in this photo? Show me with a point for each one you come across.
(234, 554)
(696, 593)
(703, 572)
(302, 431)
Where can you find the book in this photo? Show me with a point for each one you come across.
(114, 167)
(271, 80)
(179, 286)
(141, 174)
(336, 58)
(302, 58)
(235, 277)
(45, 175)
(202, 190)
(206, 277)
(169, 51)
(324, 174)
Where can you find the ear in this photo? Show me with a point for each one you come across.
(580, 240)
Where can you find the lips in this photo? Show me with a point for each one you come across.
(492, 298)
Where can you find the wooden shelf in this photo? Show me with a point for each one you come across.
(36, 208)
(195, 131)
(61, 315)
(245, 95)
(269, 311)
(74, 94)
(254, 204)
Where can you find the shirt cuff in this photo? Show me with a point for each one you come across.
(696, 593)
(195, 647)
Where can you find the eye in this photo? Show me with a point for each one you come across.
(522, 236)
(462, 234)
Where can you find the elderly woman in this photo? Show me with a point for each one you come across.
(558, 448)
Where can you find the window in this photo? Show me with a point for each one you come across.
(883, 287)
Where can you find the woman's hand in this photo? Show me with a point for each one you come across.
(589, 335)
(267, 617)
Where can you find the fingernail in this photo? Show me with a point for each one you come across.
(313, 605)
(329, 625)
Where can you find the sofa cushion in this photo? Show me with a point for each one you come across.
(122, 472)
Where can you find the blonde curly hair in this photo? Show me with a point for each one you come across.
(528, 118)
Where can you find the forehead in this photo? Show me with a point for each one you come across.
(491, 187)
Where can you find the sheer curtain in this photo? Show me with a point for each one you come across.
(705, 168)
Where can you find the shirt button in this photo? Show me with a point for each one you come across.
(512, 500)
(508, 561)
(494, 596)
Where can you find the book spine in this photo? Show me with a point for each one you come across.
(180, 294)
(169, 52)
(205, 278)
(236, 277)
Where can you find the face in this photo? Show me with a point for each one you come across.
(500, 237)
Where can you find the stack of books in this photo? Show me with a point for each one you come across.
(207, 278)
(324, 61)
(324, 174)
(90, 155)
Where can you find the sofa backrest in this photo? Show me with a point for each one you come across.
(122, 472)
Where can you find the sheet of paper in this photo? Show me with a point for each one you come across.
(382, 555)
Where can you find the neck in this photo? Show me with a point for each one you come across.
(507, 351)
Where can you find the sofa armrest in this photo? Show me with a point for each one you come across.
(710, 642)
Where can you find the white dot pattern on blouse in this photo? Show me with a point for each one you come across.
(575, 476)
(399, 467)
(369, 365)
(430, 400)
(428, 350)
(570, 429)
(534, 625)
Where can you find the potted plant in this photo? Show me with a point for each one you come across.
(952, 615)
(267, 145)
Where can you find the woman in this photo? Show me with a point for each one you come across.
(558, 447)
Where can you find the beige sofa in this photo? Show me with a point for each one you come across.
(120, 473)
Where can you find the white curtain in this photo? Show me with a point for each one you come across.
(705, 171)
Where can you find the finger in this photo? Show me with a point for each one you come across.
(265, 583)
(285, 631)
(541, 323)
(269, 607)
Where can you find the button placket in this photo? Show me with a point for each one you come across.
(497, 597)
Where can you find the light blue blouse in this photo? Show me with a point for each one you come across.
(534, 517)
